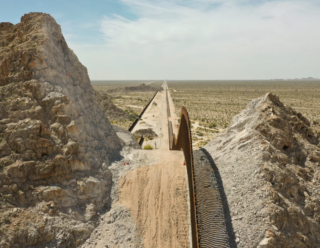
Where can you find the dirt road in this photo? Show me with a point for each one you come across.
(157, 199)
(157, 196)
(150, 198)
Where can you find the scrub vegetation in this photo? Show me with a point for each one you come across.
(131, 102)
(213, 104)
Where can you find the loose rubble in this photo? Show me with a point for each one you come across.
(268, 160)
(55, 141)
(113, 112)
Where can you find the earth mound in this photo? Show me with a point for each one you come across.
(55, 141)
(147, 133)
(126, 137)
(140, 88)
(269, 161)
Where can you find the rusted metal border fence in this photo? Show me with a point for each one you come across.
(141, 141)
(136, 121)
(168, 106)
(184, 141)
(170, 134)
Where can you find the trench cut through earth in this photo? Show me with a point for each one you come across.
(156, 193)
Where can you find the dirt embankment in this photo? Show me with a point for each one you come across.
(113, 112)
(269, 160)
(55, 141)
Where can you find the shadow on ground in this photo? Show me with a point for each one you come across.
(213, 215)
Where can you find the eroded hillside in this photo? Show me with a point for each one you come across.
(268, 160)
(55, 141)
(114, 113)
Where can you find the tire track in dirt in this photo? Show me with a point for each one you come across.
(156, 197)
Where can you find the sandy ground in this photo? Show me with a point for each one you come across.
(152, 118)
(155, 117)
(206, 136)
(135, 106)
(149, 193)
(157, 199)
(157, 195)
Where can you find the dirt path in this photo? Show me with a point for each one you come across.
(152, 118)
(149, 194)
(157, 199)
(157, 195)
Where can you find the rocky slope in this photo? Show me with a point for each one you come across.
(269, 161)
(113, 112)
(55, 141)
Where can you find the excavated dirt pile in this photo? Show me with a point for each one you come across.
(55, 141)
(147, 133)
(269, 162)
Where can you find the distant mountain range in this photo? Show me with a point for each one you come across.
(298, 79)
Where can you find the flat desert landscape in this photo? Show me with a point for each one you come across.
(212, 104)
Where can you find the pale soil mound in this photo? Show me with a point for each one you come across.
(54, 139)
(268, 160)
(126, 137)
(146, 133)
(139, 88)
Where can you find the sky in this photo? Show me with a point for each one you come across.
(185, 39)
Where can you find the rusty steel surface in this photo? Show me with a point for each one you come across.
(183, 141)
(170, 134)
(168, 106)
(141, 141)
(144, 110)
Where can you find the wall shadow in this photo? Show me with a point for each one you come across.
(228, 219)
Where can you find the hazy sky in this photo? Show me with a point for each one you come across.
(175, 39)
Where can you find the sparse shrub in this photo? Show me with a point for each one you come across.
(212, 125)
(148, 147)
